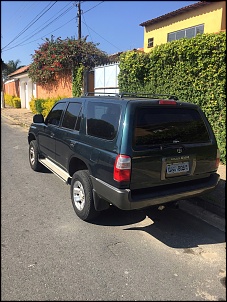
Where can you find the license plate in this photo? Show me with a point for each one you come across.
(177, 168)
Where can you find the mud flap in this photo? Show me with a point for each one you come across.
(100, 203)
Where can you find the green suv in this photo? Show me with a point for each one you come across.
(130, 151)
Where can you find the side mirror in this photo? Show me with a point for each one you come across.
(38, 118)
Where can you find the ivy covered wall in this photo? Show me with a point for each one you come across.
(192, 69)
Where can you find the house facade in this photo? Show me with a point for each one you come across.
(100, 79)
(201, 17)
(20, 85)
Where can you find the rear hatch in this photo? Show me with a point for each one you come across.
(172, 142)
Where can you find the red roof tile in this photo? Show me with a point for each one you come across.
(19, 71)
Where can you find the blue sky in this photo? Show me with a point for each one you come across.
(112, 24)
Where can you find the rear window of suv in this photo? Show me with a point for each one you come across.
(168, 125)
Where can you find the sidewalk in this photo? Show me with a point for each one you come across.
(21, 116)
(213, 202)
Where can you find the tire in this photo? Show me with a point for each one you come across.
(33, 156)
(82, 196)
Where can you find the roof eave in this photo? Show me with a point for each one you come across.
(175, 13)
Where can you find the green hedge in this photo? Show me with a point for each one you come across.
(12, 101)
(43, 106)
(16, 102)
(192, 69)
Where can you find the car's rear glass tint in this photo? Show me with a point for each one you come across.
(168, 125)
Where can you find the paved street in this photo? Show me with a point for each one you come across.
(49, 254)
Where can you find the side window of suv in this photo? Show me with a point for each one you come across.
(71, 118)
(103, 119)
(55, 114)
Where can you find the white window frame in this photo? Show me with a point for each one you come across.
(196, 29)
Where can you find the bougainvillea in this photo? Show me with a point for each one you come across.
(57, 55)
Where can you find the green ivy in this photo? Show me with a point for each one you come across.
(77, 80)
(192, 69)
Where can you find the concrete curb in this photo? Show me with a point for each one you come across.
(203, 214)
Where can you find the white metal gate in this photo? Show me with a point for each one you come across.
(106, 78)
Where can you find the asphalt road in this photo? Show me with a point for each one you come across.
(49, 254)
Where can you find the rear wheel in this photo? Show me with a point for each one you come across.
(82, 196)
(33, 156)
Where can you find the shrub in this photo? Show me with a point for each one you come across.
(43, 106)
(32, 105)
(39, 105)
(8, 99)
(16, 102)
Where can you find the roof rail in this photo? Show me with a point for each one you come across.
(147, 95)
(94, 93)
(133, 94)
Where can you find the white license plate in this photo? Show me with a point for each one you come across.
(177, 168)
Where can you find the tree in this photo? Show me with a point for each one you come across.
(10, 67)
(63, 56)
(13, 65)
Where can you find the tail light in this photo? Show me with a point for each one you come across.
(217, 159)
(167, 102)
(122, 168)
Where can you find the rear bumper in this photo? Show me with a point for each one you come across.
(129, 200)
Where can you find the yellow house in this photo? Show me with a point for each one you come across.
(201, 17)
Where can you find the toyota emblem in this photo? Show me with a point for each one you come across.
(179, 150)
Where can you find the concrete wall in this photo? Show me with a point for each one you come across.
(11, 87)
(25, 89)
(63, 87)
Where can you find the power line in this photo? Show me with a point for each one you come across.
(34, 31)
(105, 39)
(86, 26)
(31, 23)
(20, 9)
(61, 27)
(42, 36)
(79, 16)
(42, 28)
(30, 36)
(93, 7)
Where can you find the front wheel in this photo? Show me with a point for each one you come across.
(82, 196)
(33, 156)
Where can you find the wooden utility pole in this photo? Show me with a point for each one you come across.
(79, 20)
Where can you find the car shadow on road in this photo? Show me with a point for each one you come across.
(45, 170)
(173, 227)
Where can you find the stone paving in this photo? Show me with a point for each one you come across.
(19, 115)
